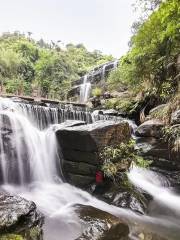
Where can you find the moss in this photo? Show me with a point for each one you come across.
(34, 233)
(125, 105)
(11, 237)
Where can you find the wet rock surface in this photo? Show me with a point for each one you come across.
(19, 216)
(100, 225)
(128, 200)
(122, 196)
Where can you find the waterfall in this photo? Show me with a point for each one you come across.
(41, 116)
(30, 167)
(115, 64)
(91, 78)
(103, 72)
(25, 151)
(85, 89)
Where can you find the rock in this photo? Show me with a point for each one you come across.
(175, 117)
(79, 156)
(80, 146)
(122, 93)
(79, 180)
(157, 109)
(72, 123)
(142, 233)
(19, 216)
(96, 102)
(150, 146)
(150, 128)
(91, 137)
(74, 92)
(158, 151)
(125, 197)
(95, 76)
(111, 112)
(79, 168)
(100, 225)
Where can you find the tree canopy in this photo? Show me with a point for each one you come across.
(28, 66)
(153, 47)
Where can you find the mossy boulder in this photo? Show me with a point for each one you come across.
(19, 219)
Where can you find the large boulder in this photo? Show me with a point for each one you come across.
(158, 152)
(158, 109)
(150, 128)
(100, 225)
(91, 137)
(19, 216)
(80, 146)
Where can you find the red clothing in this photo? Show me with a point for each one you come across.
(99, 177)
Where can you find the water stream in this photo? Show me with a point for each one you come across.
(30, 167)
(85, 89)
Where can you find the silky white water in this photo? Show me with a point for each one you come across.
(85, 89)
(31, 168)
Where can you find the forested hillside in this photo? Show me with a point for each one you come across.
(151, 64)
(36, 67)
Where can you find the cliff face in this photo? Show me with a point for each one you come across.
(94, 77)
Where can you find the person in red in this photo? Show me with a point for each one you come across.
(99, 177)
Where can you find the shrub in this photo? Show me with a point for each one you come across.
(97, 92)
(118, 159)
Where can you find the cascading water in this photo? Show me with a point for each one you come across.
(115, 64)
(26, 151)
(30, 168)
(103, 72)
(85, 89)
(41, 116)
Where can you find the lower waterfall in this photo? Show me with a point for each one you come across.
(30, 167)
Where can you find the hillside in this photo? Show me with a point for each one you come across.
(37, 68)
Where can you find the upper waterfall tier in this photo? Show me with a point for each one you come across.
(81, 88)
(43, 116)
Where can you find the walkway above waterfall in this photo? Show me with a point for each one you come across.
(42, 100)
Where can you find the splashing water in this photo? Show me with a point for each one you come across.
(156, 186)
(30, 167)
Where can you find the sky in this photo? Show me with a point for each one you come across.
(98, 24)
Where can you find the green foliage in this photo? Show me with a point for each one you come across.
(97, 92)
(154, 45)
(124, 105)
(27, 66)
(11, 237)
(119, 159)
